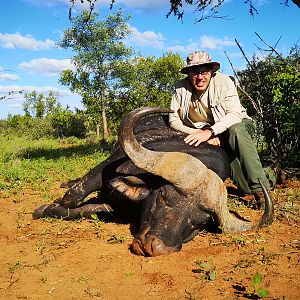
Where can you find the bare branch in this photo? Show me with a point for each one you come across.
(10, 94)
(207, 8)
(253, 102)
(241, 49)
(273, 48)
(233, 69)
(91, 4)
(247, 60)
(213, 15)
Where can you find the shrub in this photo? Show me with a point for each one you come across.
(66, 124)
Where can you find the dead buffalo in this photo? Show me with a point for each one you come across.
(175, 189)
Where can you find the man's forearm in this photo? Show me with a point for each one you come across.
(178, 125)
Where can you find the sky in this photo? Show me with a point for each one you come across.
(30, 59)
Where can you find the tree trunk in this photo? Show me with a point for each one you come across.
(97, 130)
(104, 123)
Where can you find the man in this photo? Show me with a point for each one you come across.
(207, 107)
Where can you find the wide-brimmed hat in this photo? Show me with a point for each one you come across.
(199, 58)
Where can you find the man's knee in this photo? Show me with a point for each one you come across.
(237, 129)
(242, 129)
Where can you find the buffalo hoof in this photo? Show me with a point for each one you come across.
(41, 211)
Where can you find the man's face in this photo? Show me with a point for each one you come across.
(200, 77)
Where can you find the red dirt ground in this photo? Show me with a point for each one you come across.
(54, 259)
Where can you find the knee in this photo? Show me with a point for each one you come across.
(237, 129)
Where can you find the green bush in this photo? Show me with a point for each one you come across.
(63, 123)
(273, 84)
(67, 123)
(3, 125)
(41, 128)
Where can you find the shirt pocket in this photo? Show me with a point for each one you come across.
(218, 111)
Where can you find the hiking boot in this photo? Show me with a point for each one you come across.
(272, 176)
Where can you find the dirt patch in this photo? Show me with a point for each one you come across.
(54, 259)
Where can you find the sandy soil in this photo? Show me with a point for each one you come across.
(85, 259)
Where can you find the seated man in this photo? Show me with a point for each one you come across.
(207, 107)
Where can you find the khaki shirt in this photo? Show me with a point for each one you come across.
(199, 110)
(223, 101)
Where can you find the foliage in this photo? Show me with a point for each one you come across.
(257, 290)
(66, 123)
(38, 106)
(117, 239)
(143, 81)
(40, 128)
(109, 81)
(14, 267)
(3, 125)
(18, 121)
(273, 84)
(206, 8)
(209, 272)
(27, 125)
(98, 45)
(45, 117)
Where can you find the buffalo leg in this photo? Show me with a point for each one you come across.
(80, 190)
(89, 183)
(55, 210)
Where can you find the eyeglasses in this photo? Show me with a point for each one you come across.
(199, 71)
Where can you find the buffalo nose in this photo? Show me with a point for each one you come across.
(155, 246)
(151, 246)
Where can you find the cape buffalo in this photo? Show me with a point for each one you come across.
(174, 188)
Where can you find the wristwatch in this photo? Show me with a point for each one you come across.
(211, 130)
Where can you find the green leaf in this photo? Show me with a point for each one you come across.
(94, 217)
(257, 279)
(262, 293)
(212, 275)
(204, 265)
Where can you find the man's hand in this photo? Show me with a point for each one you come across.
(200, 136)
(214, 141)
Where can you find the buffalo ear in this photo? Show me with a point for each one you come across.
(128, 167)
(130, 186)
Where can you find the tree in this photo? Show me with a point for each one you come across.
(144, 81)
(273, 85)
(206, 8)
(210, 8)
(99, 46)
(38, 106)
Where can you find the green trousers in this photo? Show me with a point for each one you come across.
(245, 165)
